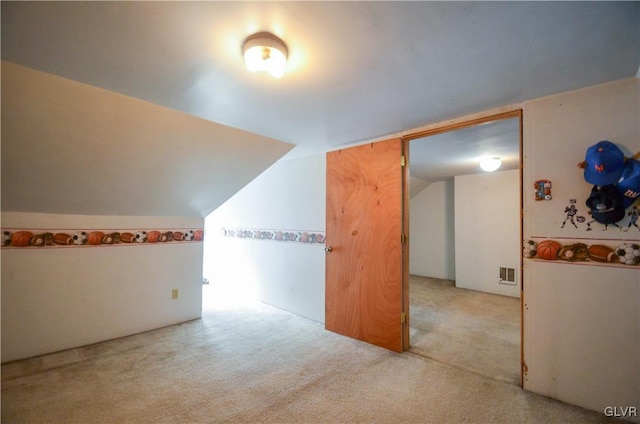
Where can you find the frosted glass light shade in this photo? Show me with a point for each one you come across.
(265, 52)
(490, 164)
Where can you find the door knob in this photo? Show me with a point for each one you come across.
(328, 249)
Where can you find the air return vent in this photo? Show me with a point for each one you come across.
(507, 275)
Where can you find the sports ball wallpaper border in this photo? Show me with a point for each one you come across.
(32, 238)
(291, 236)
(608, 253)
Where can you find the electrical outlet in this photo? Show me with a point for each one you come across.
(175, 294)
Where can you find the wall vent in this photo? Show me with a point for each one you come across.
(507, 275)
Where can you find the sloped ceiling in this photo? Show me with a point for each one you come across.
(70, 148)
(357, 71)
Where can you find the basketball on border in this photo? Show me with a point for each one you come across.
(548, 249)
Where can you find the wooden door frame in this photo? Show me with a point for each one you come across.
(406, 339)
(516, 113)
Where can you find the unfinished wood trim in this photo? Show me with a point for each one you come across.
(406, 341)
(523, 365)
(439, 129)
(465, 124)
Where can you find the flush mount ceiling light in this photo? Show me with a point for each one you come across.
(490, 164)
(265, 52)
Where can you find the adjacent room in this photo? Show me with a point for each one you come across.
(464, 231)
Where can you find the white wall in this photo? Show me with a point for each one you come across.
(582, 329)
(581, 321)
(288, 196)
(100, 160)
(432, 249)
(55, 298)
(487, 230)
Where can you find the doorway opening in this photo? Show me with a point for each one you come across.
(228, 275)
(464, 265)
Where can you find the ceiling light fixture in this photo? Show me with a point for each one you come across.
(265, 52)
(490, 164)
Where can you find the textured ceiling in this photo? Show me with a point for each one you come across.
(357, 71)
(445, 155)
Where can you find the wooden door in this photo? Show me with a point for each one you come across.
(364, 264)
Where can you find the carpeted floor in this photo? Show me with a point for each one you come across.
(471, 330)
(256, 364)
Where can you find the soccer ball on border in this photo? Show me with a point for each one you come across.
(529, 248)
(628, 253)
(79, 237)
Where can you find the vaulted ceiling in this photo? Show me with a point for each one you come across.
(357, 71)
(70, 148)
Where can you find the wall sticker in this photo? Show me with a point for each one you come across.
(634, 213)
(570, 214)
(542, 189)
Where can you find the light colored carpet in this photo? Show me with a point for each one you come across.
(471, 330)
(257, 364)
